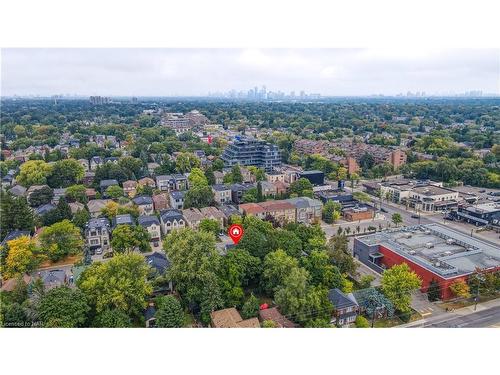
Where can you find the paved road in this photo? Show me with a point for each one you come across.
(485, 318)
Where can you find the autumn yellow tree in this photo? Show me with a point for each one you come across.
(22, 256)
(460, 289)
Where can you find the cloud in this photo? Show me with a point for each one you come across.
(145, 72)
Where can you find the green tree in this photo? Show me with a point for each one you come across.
(321, 271)
(331, 212)
(361, 322)
(34, 172)
(211, 226)
(397, 284)
(434, 291)
(127, 238)
(14, 214)
(186, 161)
(210, 176)
(397, 219)
(301, 187)
(287, 240)
(120, 283)
(60, 240)
(250, 308)
(114, 192)
(197, 178)
(81, 218)
(236, 176)
(258, 173)
(41, 196)
(66, 172)
(339, 254)
(63, 307)
(276, 266)
(195, 264)
(366, 281)
(300, 301)
(112, 318)
(169, 313)
(77, 193)
(199, 197)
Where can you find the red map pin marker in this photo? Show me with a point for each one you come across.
(235, 232)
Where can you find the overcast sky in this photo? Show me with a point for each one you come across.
(171, 72)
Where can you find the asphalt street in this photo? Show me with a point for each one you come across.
(480, 319)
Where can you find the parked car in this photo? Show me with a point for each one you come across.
(482, 191)
(415, 216)
(383, 209)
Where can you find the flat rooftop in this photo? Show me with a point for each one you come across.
(439, 249)
(431, 190)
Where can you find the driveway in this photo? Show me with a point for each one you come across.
(421, 304)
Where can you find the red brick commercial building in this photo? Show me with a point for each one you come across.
(356, 214)
(432, 251)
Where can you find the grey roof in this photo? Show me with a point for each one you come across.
(149, 313)
(97, 223)
(142, 200)
(43, 209)
(170, 215)
(111, 158)
(96, 159)
(158, 261)
(339, 299)
(12, 235)
(304, 202)
(53, 277)
(107, 183)
(177, 194)
(221, 187)
(18, 190)
(147, 220)
(125, 219)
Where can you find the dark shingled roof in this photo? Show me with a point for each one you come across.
(339, 299)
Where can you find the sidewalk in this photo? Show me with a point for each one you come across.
(464, 311)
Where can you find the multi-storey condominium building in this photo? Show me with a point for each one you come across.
(248, 151)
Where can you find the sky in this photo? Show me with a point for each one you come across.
(196, 72)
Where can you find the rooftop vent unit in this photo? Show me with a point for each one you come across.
(427, 231)
(407, 235)
(437, 264)
(447, 253)
(450, 241)
(429, 245)
(412, 252)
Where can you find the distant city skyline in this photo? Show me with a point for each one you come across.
(234, 73)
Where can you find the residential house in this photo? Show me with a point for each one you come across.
(130, 188)
(34, 188)
(53, 278)
(177, 199)
(268, 189)
(307, 210)
(145, 204)
(85, 164)
(171, 182)
(58, 193)
(282, 211)
(276, 317)
(193, 217)
(95, 161)
(231, 318)
(275, 176)
(281, 188)
(111, 159)
(43, 209)
(88, 178)
(125, 219)
(12, 235)
(97, 235)
(219, 177)
(213, 213)
(105, 184)
(152, 225)
(75, 207)
(18, 191)
(252, 209)
(90, 193)
(346, 309)
(7, 181)
(171, 219)
(149, 316)
(160, 264)
(146, 181)
(238, 190)
(248, 177)
(152, 167)
(96, 206)
(222, 194)
(161, 201)
(228, 211)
